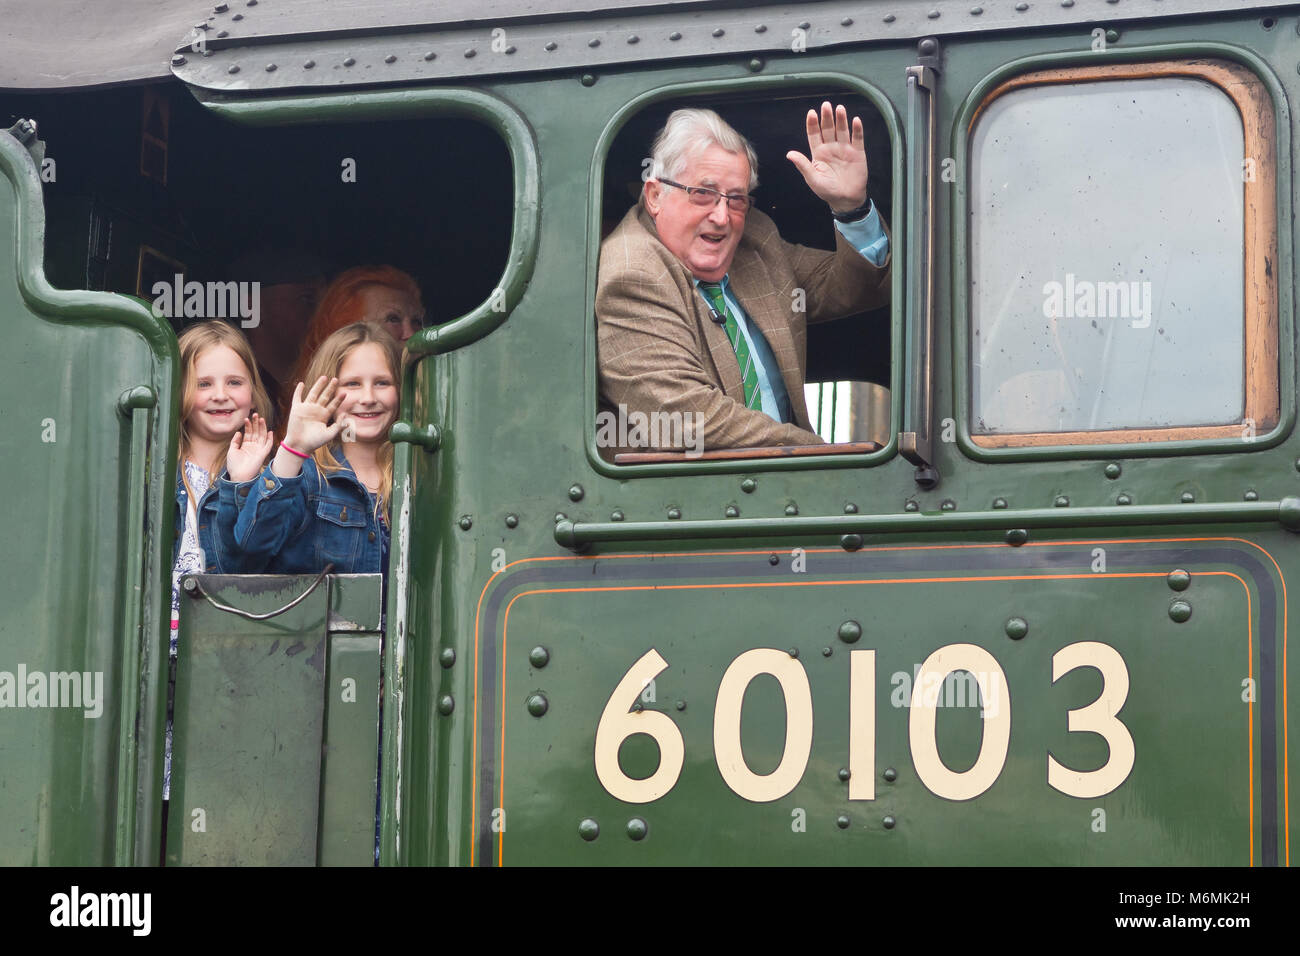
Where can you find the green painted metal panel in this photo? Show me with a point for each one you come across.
(265, 769)
(1201, 787)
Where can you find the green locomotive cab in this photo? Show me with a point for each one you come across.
(1026, 603)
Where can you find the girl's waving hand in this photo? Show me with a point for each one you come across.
(248, 450)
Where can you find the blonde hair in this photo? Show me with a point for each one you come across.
(327, 361)
(194, 341)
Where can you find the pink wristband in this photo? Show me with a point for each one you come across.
(292, 452)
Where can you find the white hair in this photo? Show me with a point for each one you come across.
(686, 134)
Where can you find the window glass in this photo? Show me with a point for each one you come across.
(1107, 278)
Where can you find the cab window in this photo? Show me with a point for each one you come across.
(1123, 257)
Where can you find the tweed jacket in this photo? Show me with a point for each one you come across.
(659, 350)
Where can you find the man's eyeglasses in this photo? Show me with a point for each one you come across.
(704, 196)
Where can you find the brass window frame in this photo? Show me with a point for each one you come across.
(1259, 208)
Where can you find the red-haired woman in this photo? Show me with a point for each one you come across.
(380, 294)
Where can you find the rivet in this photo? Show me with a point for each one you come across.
(674, 514)
(976, 11)
(560, 516)
(1017, 627)
(233, 68)
(539, 656)
(1251, 495)
(1180, 611)
(350, 61)
(1067, 3)
(827, 652)
(890, 774)
(1187, 497)
(593, 42)
(391, 58)
(270, 68)
(1112, 36)
(889, 18)
(588, 79)
(178, 60)
(430, 56)
(1179, 579)
(846, 22)
(793, 652)
(1123, 500)
(849, 632)
(748, 486)
(928, 46)
(1112, 470)
(761, 28)
(1022, 7)
(756, 65)
(471, 53)
(512, 521)
(222, 34)
(732, 511)
(842, 821)
(634, 39)
(447, 657)
(719, 32)
(589, 829)
(637, 828)
(552, 47)
(1062, 501)
(446, 704)
(933, 14)
(575, 492)
(465, 522)
(538, 704)
(948, 505)
(805, 25)
(251, 3)
(791, 510)
(674, 36)
(888, 823)
(237, 16)
(773, 560)
(843, 774)
(203, 26)
(220, 8)
(510, 49)
(851, 542)
(999, 503)
(616, 515)
(190, 585)
(680, 705)
(850, 509)
(1017, 536)
(911, 506)
(1297, 464)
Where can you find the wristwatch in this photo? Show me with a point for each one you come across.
(853, 215)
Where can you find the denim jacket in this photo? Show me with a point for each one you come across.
(298, 525)
(216, 513)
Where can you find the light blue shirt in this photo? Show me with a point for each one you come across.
(868, 237)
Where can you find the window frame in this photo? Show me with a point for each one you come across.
(841, 455)
(1269, 399)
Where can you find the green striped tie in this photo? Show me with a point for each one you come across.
(748, 373)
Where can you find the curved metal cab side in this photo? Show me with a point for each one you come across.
(89, 392)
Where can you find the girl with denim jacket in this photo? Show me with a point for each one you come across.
(324, 499)
(223, 444)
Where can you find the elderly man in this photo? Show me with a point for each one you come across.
(701, 305)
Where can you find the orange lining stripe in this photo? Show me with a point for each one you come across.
(505, 627)
(942, 547)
